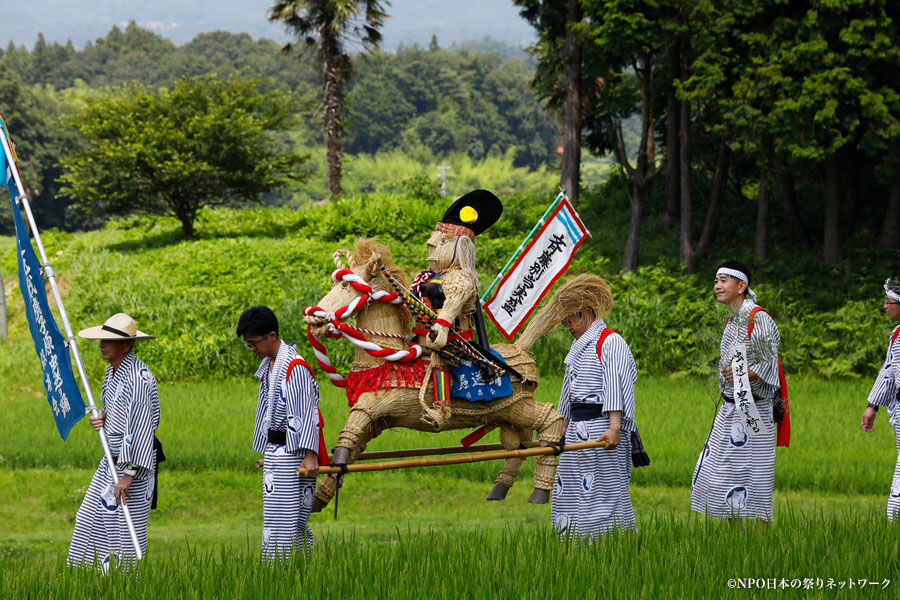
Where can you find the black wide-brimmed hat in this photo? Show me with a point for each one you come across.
(475, 211)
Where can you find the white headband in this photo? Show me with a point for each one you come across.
(891, 293)
(738, 275)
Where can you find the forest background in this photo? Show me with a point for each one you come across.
(755, 130)
(707, 129)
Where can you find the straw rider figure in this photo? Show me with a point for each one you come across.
(450, 284)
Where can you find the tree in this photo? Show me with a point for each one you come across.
(328, 26)
(630, 35)
(202, 142)
(559, 75)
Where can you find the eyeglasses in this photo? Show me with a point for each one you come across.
(892, 302)
(253, 345)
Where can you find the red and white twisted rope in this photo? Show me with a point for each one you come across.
(337, 328)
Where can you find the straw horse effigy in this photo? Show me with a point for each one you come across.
(385, 384)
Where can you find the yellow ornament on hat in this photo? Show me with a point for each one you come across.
(468, 214)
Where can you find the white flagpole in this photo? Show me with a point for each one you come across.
(70, 337)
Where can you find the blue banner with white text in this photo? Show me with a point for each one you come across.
(62, 391)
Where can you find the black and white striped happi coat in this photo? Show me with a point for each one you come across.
(884, 393)
(131, 403)
(590, 492)
(735, 473)
(290, 406)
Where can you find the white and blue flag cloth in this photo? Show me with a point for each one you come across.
(537, 269)
(62, 390)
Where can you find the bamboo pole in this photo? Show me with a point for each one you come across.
(22, 201)
(454, 460)
(428, 451)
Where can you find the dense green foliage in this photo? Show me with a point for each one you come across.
(172, 151)
(190, 293)
(433, 104)
(471, 102)
(787, 102)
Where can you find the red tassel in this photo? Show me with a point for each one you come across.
(384, 377)
(323, 449)
(475, 436)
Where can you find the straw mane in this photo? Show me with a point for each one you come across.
(576, 295)
(364, 250)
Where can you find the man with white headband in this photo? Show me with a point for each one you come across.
(886, 391)
(735, 474)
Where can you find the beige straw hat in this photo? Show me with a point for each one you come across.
(118, 327)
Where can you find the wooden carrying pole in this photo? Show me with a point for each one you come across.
(427, 451)
(454, 460)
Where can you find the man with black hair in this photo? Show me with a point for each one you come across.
(735, 474)
(286, 432)
(886, 391)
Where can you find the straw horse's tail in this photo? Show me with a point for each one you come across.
(577, 294)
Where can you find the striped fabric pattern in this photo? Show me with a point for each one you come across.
(289, 406)
(884, 393)
(131, 403)
(735, 473)
(590, 492)
(287, 501)
(893, 505)
(610, 382)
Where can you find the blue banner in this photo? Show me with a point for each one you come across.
(62, 391)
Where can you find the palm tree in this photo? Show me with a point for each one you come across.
(327, 27)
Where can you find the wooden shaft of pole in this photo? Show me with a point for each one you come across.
(454, 460)
(428, 451)
(436, 451)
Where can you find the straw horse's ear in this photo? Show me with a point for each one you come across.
(373, 267)
(337, 255)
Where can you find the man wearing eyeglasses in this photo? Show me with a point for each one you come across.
(287, 433)
(886, 391)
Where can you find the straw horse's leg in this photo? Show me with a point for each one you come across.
(328, 484)
(511, 438)
(540, 417)
(369, 408)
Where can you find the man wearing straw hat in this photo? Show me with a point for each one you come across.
(287, 432)
(590, 492)
(886, 391)
(735, 473)
(130, 417)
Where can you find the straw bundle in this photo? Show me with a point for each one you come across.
(576, 295)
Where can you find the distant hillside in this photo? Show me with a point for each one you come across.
(411, 22)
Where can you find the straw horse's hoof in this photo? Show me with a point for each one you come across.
(498, 492)
(341, 456)
(539, 496)
(318, 505)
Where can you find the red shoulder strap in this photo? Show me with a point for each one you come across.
(603, 335)
(323, 448)
(784, 425)
(294, 363)
(753, 312)
(896, 333)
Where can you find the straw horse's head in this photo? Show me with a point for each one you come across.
(365, 261)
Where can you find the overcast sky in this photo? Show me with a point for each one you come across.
(412, 21)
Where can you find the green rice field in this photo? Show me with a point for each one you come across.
(429, 533)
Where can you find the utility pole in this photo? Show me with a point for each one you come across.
(443, 175)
